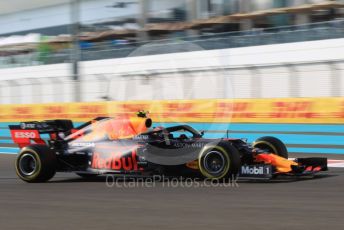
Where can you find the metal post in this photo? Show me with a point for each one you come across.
(75, 54)
(191, 13)
(142, 19)
(301, 18)
(204, 9)
(226, 7)
(244, 7)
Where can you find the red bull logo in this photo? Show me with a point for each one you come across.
(116, 161)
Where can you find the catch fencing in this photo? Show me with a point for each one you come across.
(287, 80)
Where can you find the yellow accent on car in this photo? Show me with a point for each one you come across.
(193, 164)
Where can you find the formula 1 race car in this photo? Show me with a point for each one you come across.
(128, 145)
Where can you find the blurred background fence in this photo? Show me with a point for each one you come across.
(312, 79)
(110, 49)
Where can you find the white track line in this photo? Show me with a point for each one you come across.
(335, 163)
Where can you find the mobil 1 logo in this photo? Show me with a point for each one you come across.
(258, 171)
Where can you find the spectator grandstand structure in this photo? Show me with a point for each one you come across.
(43, 38)
(119, 27)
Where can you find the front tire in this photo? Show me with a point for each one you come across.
(219, 161)
(36, 163)
(273, 145)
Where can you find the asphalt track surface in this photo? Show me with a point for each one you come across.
(68, 202)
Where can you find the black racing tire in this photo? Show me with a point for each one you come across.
(87, 175)
(273, 145)
(223, 153)
(36, 163)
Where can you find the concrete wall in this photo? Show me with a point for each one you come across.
(249, 72)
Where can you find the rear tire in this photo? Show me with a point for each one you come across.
(219, 161)
(273, 145)
(36, 163)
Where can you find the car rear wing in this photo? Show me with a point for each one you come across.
(27, 133)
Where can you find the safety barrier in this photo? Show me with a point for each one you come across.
(284, 110)
(307, 125)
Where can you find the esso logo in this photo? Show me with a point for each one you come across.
(25, 135)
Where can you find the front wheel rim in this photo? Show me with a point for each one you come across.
(214, 162)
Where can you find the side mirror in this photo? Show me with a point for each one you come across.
(202, 133)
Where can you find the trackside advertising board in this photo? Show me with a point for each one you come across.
(281, 110)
